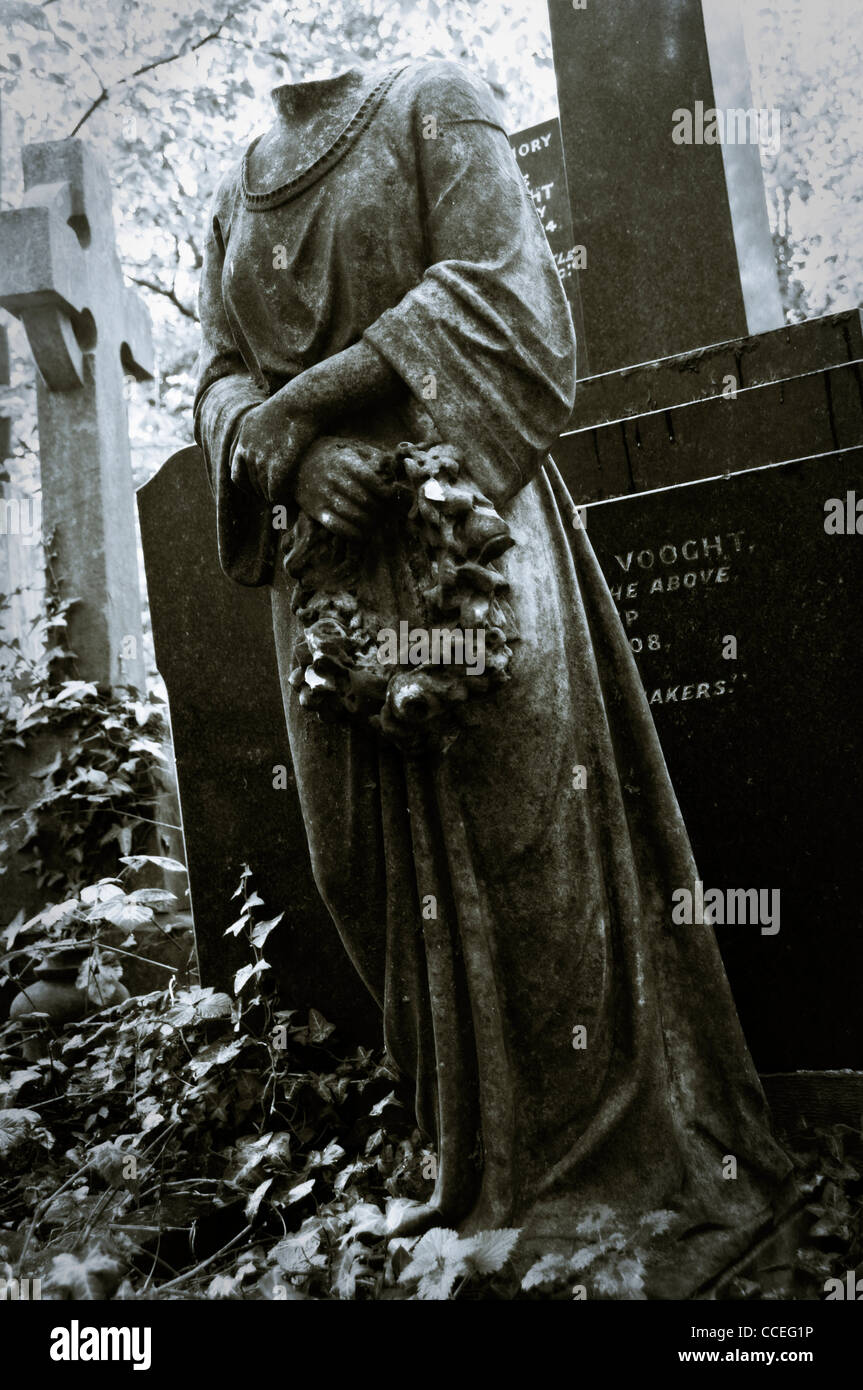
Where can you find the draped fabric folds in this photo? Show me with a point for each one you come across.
(500, 897)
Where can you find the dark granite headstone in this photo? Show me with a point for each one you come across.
(215, 651)
(539, 154)
(677, 237)
(764, 747)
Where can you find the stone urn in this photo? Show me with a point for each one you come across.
(55, 992)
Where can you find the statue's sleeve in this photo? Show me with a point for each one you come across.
(226, 390)
(485, 340)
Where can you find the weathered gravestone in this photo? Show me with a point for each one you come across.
(60, 275)
(5, 423)
(677, 236)
(22, 577)
(21, 572)
(215, 650)
(539, 154)
(763, 746)
(760, 734)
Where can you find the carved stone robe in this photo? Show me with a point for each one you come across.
(500, 898)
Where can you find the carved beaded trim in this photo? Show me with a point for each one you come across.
(324, 162)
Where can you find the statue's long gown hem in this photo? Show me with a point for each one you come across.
(501, 898)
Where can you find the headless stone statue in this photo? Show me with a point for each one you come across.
(375, 272)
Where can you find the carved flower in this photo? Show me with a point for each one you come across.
(453, 536)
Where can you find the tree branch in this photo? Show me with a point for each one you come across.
(256, 48)
(150, 67)
(196, 252)
(170, 295)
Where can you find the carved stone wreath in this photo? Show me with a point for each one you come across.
(435, 525)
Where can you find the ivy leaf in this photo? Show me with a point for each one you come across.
(256, 1198)
(352, 1170)
(19, 1127)
(110, 1162)
(263, 929)
(350, 1266)
(195, 1003)
(148, 746)
(373, 1142)
(58, 913)
(95, 1277)
(216, 1055)
(74, 690)
(299, 1254)
(50, 768)
(223, 1286)
(327, 1157)
(319, 1028)
(137, 861)
(303, 1189)
(245, 973)
(244, 876)
(366, 1220)
(123, 913)
(101, 893)
(17, 1081)
(160, 898)
(382, 1104)
(213, 1004)
(9, 933)
(248, 1155)
(397, 1207)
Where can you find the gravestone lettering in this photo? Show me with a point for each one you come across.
(743, 614)
(738, 604)
(539, 154)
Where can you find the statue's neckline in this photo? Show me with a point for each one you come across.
(291, 97)
(369, 101)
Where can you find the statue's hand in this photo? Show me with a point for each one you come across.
(338, 483)
(270, 443)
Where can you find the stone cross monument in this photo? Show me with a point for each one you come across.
(59, 273)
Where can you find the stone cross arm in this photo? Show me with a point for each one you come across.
(59, 271)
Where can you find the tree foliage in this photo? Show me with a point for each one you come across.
(172, 91)
(198, 1145)
(807, 63)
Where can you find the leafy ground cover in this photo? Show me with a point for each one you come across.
(190, 1144)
